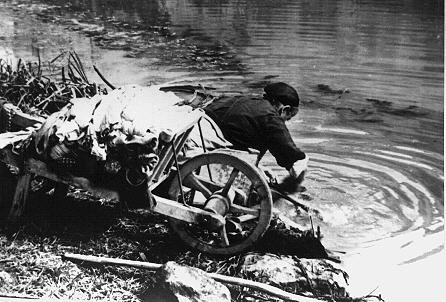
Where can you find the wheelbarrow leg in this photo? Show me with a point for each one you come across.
(60, 192)
(20, 197)
(58, 202)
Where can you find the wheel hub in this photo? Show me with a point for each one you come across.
(219, 205)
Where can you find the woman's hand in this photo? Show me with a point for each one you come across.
(299, 167)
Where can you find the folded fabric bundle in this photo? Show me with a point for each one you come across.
(106, 126)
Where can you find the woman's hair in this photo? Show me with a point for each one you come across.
(282, 93)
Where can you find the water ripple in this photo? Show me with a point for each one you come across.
(375, 197)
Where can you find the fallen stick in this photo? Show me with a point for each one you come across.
(4, 297)
(18, 299)
(271, 290)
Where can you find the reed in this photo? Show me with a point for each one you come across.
(42, 88)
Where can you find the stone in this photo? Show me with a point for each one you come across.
(174, 282)
(271, 268)
(318, 276)
(325, 276)
(6, 279)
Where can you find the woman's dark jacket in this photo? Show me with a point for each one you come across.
(254, 123)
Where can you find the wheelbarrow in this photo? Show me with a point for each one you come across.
(216, 202)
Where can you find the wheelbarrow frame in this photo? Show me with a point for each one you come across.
(168, 161)
(167, 164)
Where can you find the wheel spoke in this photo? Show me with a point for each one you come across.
(244, 218)
(231, 179)
(212, 186)
(193, 182)
(235, 208)
(224, 236)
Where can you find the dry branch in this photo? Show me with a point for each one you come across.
(30, 299)
(4, 297)
(271, 290)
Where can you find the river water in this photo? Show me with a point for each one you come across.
(370, 75)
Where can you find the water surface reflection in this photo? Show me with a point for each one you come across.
(370, 74)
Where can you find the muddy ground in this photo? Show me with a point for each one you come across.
(31, 264)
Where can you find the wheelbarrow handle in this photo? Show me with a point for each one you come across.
(283, 195)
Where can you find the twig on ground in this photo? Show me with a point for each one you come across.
(265, 288)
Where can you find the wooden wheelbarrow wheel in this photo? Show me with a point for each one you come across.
(251, 213)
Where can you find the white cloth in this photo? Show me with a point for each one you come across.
(299, 167)
(11, 138)
(82, 110)
(212, 136)
(136, 110)
(68, 130)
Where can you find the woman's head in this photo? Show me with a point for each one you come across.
(284, 98)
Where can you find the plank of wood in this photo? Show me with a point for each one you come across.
(40, 168)
(60, 191)
(177, 210)
(7, 188)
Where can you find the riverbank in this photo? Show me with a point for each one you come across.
(32, 264)
(376, 169)
(52, 225)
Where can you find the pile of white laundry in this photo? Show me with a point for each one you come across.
(120, 130)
